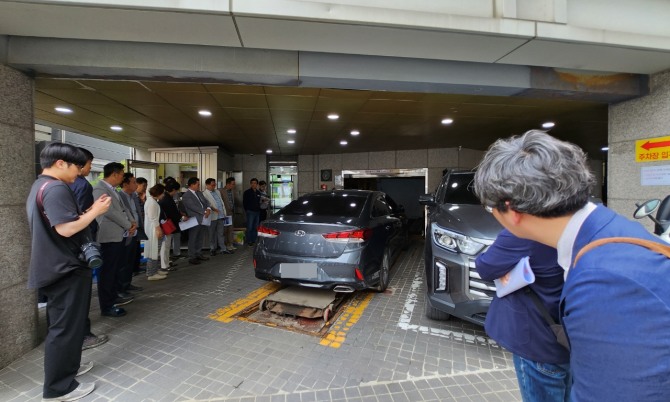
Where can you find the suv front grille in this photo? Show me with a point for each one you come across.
(476, 285)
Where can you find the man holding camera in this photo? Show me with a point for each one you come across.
(58, 269)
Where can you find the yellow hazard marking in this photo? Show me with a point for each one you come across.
(350, 316)
(227, 314)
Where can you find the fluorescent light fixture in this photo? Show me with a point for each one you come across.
(61, 109)
(343, 142)
(447, 121)
(291, 131)
(548, 124)
(355, 132)
(333, 116)
(605, 148)
(116, 128)
(291, 141)
(204, 113)
(269, 151)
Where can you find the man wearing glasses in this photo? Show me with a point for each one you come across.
(58, 229)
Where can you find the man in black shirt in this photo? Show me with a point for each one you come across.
(251, 199)
(59, 229)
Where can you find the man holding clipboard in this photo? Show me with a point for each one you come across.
(198, 210)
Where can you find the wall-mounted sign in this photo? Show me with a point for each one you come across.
(655, 175)
(652, 149)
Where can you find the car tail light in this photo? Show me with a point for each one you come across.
(359, 274)
(354, 236)
(254, 263)
(264, 231)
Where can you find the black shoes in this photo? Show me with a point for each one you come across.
(194, 261)
(135, 288)
(203, 258)
(223, 251)
(113, 312)
(124, 295)
(92, 341)
(212, 253)
(122, 301)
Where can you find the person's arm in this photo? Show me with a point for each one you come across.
(99, 207)
(502, 256)
(210, 199)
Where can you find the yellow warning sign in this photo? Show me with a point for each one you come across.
(652, 149)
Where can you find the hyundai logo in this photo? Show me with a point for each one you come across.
(300, 233)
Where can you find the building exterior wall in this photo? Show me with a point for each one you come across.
(646, 117)
(18, 305)
(206, 158)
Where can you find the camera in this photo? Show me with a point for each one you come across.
(90, 254)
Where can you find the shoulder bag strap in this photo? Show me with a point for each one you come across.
(40, 201)
(540, 307)
(651, 245)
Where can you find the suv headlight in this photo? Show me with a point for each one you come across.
(455, 242)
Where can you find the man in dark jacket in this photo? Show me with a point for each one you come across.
(83, 192)
(542, 365)
(251, 200)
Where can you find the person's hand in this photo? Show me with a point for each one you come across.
(207, 213)
(505, 278)
(133, 229)
(215, 210)
(159, 232)
(101, 205)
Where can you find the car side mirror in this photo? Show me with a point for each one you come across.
(427, 200)
(646, 209)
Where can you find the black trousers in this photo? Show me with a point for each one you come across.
(114, 257)
(196, 235)
(125, 274)
(67, 309)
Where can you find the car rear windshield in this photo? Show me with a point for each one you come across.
(326, 205)
(459, 189)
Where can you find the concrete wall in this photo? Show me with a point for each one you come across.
(642, 118)
(18, 305)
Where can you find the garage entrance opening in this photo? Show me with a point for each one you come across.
(404, 186)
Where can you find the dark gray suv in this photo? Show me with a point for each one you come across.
(458, 230)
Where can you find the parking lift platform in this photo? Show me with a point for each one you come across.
(186, 338)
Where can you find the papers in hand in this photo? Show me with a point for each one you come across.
(521, 275)
(187, 224)
(227, 220)
(207, 220)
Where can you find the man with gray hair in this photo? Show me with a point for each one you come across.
(615, 305)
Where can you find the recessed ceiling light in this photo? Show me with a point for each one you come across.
(447, 121)
(116, 128)
(291, 131)
(605, 148)
(343, 142)
(355, 132)
(269, 151)
(548, 124)
(333, 116)
(204, 113)
(291, 141)
(62, 109)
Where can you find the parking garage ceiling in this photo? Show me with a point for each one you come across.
(250, 119)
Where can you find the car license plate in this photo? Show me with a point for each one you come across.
(305, 270)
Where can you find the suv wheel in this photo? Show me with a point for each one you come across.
(435, 314)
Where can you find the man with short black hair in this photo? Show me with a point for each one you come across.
(196, 207)
(115, 226)
(132, 243)
(228, 197)
(83, 192)
(251, 199)
(59, 229)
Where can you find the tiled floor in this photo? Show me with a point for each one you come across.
(167, 349)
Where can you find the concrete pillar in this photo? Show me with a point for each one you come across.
(645, 117)
(18, 305)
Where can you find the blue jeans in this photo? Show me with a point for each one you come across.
(252, 226)
(543, 381)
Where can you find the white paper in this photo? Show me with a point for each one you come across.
(187, 224)
(227, 220)
(206, 220)
(520, 276)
